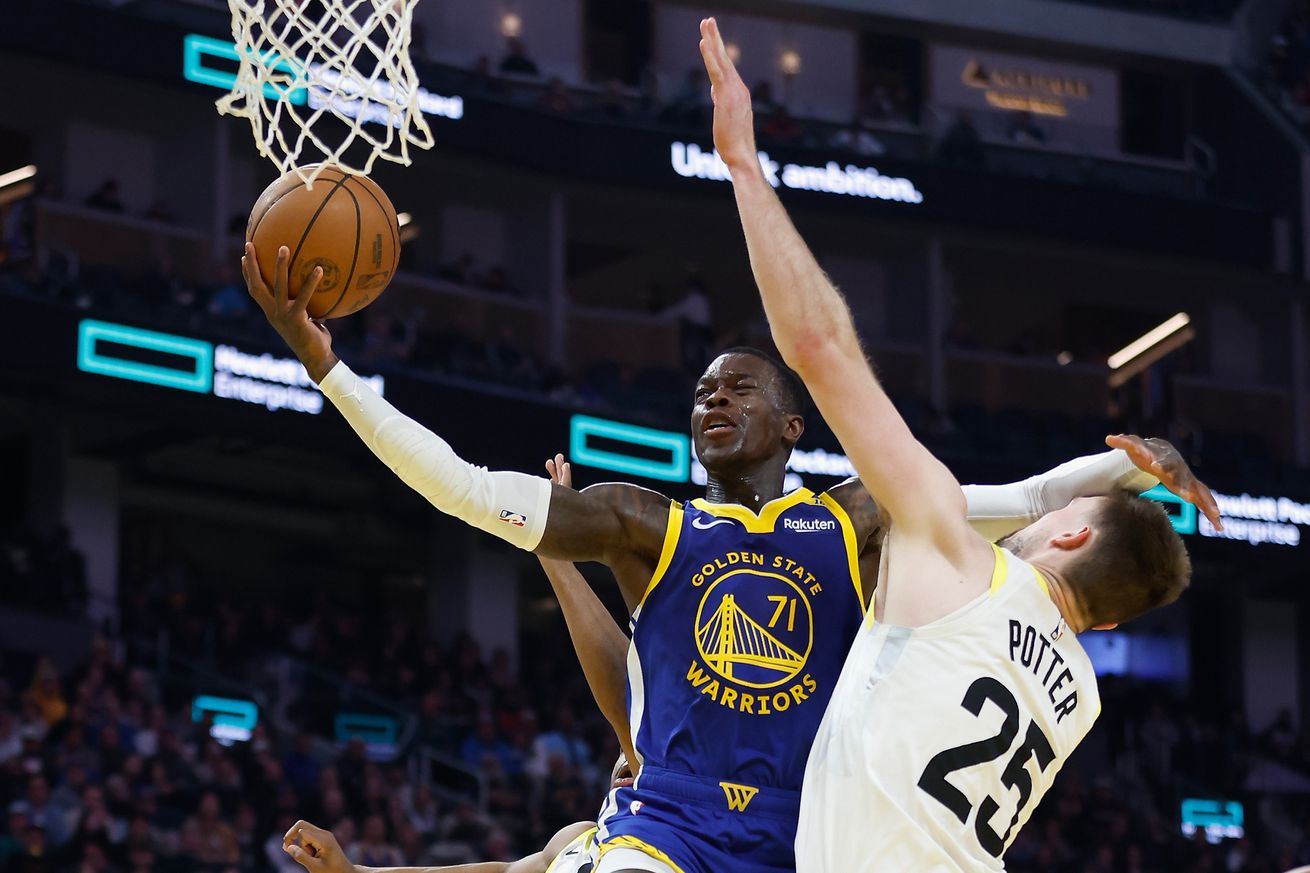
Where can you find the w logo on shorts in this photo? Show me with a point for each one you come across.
(739, 796)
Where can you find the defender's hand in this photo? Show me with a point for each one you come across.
(734, 123)
(561, 472)
(1159, 458)
(315, 849)
(309, 339)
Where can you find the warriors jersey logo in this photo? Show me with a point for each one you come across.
(755, 628)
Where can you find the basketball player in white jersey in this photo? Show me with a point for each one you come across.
(966, 689)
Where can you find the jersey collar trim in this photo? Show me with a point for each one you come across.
(769, 512)
(1000, 570)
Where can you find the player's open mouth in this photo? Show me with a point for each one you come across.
(717, 425)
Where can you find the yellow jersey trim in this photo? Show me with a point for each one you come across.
(768, 517)
(1000, 570)
(672, 532)
(581, 841)
(852, 549)
(1041, 580)
(625, 841)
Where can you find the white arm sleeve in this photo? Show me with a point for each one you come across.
(997, 511)
(512, 506)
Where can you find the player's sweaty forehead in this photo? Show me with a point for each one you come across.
(735, 367)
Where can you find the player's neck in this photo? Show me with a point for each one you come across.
(752, 490)
(1062, 596)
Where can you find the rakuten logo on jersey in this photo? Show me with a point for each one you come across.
(801, 525)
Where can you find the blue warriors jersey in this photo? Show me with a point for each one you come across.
(739, 640)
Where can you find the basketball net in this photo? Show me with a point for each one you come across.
(314, 84)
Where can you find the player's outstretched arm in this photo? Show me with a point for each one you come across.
(611, 523)
(318, 851)
(813, 330)
(1134, 464)
(601, 645)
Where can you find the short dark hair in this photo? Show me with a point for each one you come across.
(1136, 563)
(791, 390)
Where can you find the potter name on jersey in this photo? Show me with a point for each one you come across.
(1032, 650)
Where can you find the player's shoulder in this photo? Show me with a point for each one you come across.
(854, 499)
(631, 502)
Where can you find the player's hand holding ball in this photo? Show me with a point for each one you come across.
(308, 339)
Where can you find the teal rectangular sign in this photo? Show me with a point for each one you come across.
(372, 729)
(92, 358)
(675, 469)
(226, 711)
(1181, 513)
(196, 48)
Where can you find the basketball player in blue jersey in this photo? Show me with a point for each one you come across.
(963, 697)
(744, 603)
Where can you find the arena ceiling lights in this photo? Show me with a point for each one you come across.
(17, 183)
(1150, 347)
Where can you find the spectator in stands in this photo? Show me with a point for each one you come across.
(507, 359)
(563, 743)
(64, 568)
(11, 741)
(780, 126)
(1024, 130)
(11, 840)
(763, 102)
(206, 837)
(1281, 736)
(372, 849)
(875, 104)
(459, 270)
(389, 340)
(694, 314)
(689, 105)
(648, 85)
(159, 211)
(516, 60)
(857, 138)
(557, 98)
(229, 300)
(34, 856)
(496, 279)
(961, 144)
(613, 104)
(46, 692)
(483, 79)
(18, 230)
(106, 197)
(484, 741)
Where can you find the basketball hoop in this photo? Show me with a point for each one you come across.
(321, 87)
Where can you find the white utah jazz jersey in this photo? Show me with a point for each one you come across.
(580, 856)
(939, 741)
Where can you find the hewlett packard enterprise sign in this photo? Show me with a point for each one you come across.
(189, 364)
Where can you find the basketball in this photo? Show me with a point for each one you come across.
(345, 224)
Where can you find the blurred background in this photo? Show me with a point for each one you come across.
(219, 614)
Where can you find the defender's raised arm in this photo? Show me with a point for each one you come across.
(813, 330)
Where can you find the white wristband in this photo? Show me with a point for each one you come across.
(512, 506)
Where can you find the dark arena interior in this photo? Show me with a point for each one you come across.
(1052, 220)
